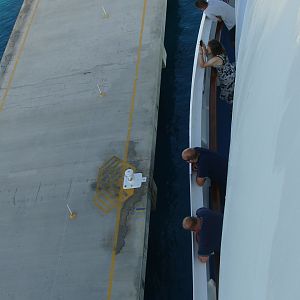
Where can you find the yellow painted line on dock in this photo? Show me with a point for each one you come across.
(125, 159)
(9, 84)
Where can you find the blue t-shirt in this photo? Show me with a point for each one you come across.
(210, 234)
(211, 164)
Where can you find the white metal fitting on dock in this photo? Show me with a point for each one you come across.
(133, 180)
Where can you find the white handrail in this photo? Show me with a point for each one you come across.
(199, 136)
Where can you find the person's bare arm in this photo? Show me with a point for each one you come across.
(200, 181)
(210, 63)
(203, 259)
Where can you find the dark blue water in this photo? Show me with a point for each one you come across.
(9, 10)
(169, 270)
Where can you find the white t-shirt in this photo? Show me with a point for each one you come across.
(217, 8)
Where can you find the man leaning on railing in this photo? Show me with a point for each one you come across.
(208, 229)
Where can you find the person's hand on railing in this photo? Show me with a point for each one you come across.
(202, 54)
(203, 259)
(203, 50)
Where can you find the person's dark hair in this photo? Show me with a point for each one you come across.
(216, 47)
(201, 4)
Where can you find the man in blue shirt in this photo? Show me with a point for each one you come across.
(208, 164)
(208, 228)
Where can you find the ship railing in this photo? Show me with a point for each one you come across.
(199, 135)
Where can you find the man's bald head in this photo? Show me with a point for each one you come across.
(190, 223)
(190, 155)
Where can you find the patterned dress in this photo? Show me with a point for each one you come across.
(226, 75)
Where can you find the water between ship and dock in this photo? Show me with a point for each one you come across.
(169, 269)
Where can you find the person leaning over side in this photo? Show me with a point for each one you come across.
(219, 60)
(207, 164)
(218, 11)
(208, 229)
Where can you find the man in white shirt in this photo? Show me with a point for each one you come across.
(217, 10)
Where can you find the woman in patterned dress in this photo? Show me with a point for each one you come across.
(219, 61)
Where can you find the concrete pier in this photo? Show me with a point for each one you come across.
(79, 91)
